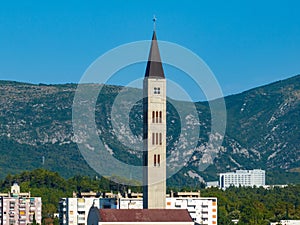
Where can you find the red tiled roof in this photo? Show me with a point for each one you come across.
(144, 215)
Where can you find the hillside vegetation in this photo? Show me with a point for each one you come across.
(262, 131)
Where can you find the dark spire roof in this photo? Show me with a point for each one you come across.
(154, 66)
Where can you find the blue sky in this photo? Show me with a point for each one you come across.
(245, 43)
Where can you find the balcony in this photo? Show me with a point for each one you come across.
(81, 219)
(81, 208)
(23, 217)
(22, 207)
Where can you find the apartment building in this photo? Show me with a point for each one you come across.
(202, 210)
(75, 210)
(246, 178)
(19, 208)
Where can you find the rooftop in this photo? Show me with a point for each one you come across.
(144, 215)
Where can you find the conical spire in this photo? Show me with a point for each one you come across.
(154, 66)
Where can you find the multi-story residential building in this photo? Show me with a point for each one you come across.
(248, 178)
(19, 208)
(202, 210)
(75, 210)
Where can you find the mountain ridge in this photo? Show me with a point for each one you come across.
(262, 129)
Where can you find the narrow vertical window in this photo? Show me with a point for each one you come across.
(158, 159)
(160, 139)
(160, 116)
(153, 138)
(155, 160)
(156, 138)
(153, 117)
(156, 116)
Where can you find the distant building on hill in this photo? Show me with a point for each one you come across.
(245, 178)
(19, 208)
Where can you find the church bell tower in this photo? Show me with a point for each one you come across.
(154, 131)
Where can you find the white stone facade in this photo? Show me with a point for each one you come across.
(155, 143)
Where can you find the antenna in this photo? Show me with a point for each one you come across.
(154, 22)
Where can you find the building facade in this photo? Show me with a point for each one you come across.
(75, 210)
(19, 208)
(202, 210)
(246, 178)
(154, 131)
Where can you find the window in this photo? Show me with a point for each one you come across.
(156, 116)
(153, 117)
(158, 159)
(156, 90)
(160, 116)
(155, 160)
(160, 139)
(156, 138)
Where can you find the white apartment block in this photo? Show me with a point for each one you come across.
(18, 208)
(75, 210)
(246, 178)
(202, 210)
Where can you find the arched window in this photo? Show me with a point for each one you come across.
(160, 139)
(156, 116)
(153, 117)
(158, 159)
(160, 116)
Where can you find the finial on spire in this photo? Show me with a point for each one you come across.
(154, 22)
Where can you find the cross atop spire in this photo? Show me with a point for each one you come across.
(154, 66)
(154, 22)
